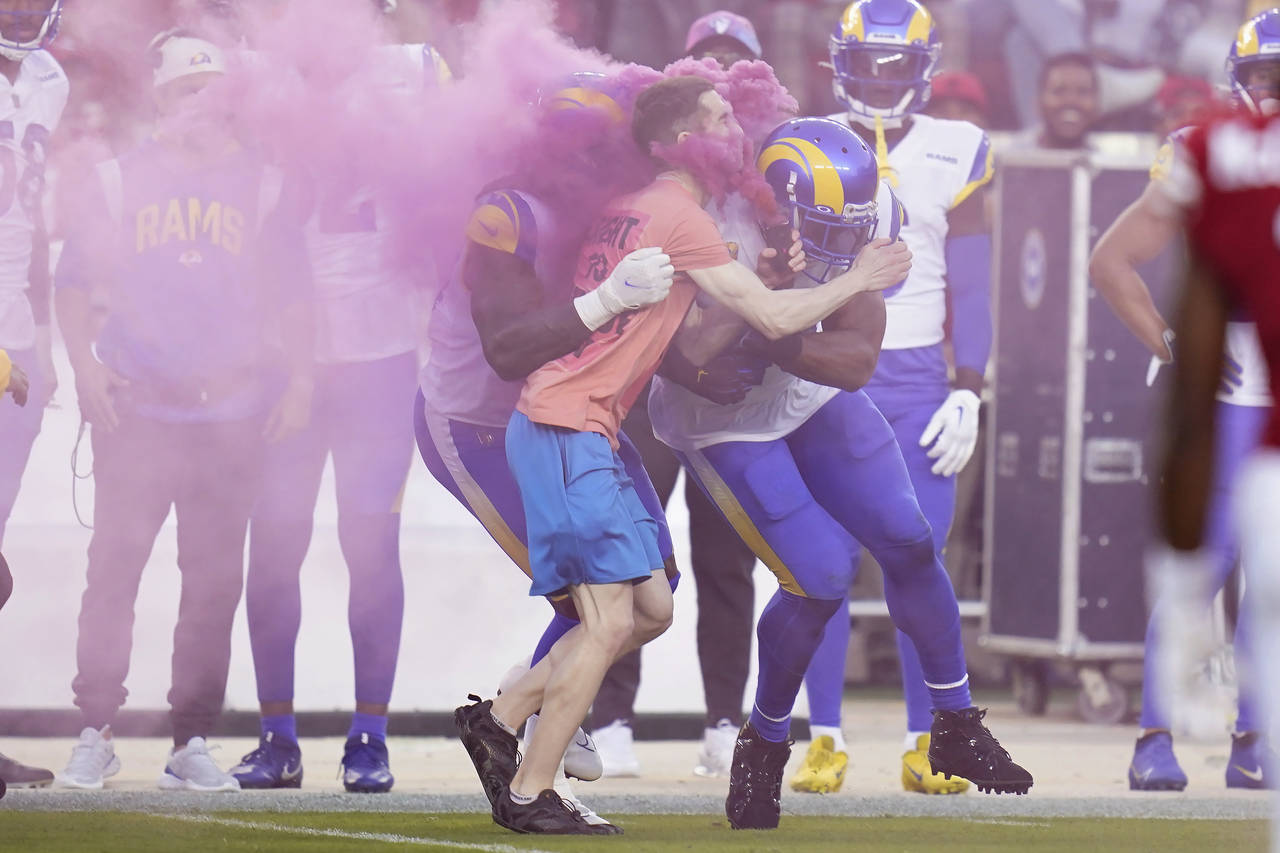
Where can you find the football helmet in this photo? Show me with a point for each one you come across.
(883, 55)
(825, 178)
(1257, 45)
(23, 31)
(583, 90)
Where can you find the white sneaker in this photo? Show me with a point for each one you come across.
(566, 793)
(581, 759)
(192, 769)
(716, 756)
(615, 744)
(92, 760)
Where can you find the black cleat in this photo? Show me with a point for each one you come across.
(17, 775)
(546, 815)
(755, 781)
(960, 745)
(492, 749)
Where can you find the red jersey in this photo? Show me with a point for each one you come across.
(1232, 190)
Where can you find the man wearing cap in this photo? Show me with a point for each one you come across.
(959, 96)
(198, 246)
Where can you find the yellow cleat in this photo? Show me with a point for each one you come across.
(919, 778)
(823, 769)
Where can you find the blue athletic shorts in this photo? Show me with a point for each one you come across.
(585, 520)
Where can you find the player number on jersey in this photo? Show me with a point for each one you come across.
(26, 187)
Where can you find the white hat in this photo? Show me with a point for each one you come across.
(181, 55)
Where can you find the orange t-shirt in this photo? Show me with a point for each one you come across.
(593, 388)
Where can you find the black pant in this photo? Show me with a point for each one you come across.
(722, 569)
(210, 473)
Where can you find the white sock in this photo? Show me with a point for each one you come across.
(909, 744)
(832, 732)
(521, 799)
(501, 724)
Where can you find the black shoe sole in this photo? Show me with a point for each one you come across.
(572, 829)
(367, 789)
(42, 783)
(1157, 786)
(988, 786)
(463, 725)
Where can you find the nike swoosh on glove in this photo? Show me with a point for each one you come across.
(953, 432)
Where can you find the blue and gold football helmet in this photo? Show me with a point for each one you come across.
(883, 55)
(1257, 47)
(826, 181)
(24, 31)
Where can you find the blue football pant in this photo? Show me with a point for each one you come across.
(360, 415)
(1240, 429)
(908, 387)
(805, 502)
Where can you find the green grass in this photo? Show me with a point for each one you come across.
(33, 832)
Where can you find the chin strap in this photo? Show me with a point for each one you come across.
(886, 172)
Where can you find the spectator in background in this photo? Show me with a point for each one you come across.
(1180, 102)
(722, 565)
(198, 245)
(959, 95)
(1068, 98)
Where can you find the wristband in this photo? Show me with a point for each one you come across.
(592, 311)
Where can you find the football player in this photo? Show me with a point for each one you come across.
(33, 92)
(507, 311)
(1243, 406)
(884, 53)
(806, 468)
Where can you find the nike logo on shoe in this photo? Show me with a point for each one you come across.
(585, 743)
(1255, 775)
(1144, 775)
(287, 775)
(919, 776)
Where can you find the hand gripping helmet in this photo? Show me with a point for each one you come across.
(24, 31)
(1257, 44)
(825, 180)
(883, 54)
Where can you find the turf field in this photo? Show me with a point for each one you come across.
(368, 833)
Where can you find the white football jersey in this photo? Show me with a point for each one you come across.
(938, 164)
(457, 380)
(366, 309)
(30, 109)
(782, 402)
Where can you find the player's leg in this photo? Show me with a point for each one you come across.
(372, 448)
(853, 466)
(217, 495)
(908, 406)
(759, 490)
(723, 568)
(827, 758)
(136, 471)
(279, 536)
(14, 774)
(1256, 498)
(19, 425)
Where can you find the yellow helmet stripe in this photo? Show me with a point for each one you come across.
(1247, 43)
(852, 24)
(828, 189)
(582, 98)
(921, 23)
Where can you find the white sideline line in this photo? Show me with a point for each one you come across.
(1005, 821)
(387, 837)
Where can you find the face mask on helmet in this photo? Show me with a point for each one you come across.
(23, 29)
(825, 180)
(883, 54)
(1253, 65)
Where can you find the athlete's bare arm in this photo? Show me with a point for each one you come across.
(778, 313)
(518, 332)
(844, 354)
(1187, 470)
(1140, 233)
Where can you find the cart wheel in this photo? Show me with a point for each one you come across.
(1101, 700)
(1031, 686)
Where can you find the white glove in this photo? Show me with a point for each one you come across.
(1153, 367)
(642, 278)
(955, 426)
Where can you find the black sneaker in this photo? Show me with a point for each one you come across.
(17, 775)
(546, 815)
(492, 749)
(960, 745)
(755, 781)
